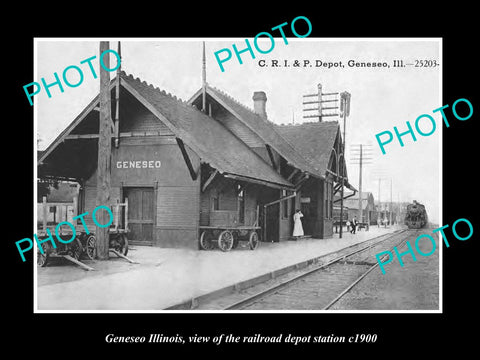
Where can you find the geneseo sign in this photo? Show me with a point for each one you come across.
(139, 164)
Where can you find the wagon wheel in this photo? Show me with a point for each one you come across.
(225, 240)
(42, 259)
(122, 244)
(75, 249)
(205, 241)
(90, 247)
(253, 240)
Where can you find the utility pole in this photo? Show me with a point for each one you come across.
(117, 100)
(361, 157)
(104, 156)
(345, 109)
(321, 111)
(391, 203)
(380, 174)
(204, 81)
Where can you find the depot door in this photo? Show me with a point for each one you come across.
(272, 223)
(140, 214)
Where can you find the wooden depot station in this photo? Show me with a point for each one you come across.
(207, 169)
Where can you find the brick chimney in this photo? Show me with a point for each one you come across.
(259, 103)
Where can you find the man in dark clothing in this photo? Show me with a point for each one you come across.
(354, 225)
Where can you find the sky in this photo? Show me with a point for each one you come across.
(381, 98)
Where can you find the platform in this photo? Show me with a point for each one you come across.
(166, 277)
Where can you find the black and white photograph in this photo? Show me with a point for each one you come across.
(213, 181)
(288, 181)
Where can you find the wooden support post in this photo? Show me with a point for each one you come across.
(116, 215)
(75, 206)
(209, 180)
(319, 87)
(292, 174)
(44, 213)
(104, 155)
(181, 145)
(79, 263)
(300, 181)
(272, 159)
(264, 223)
(126, 214)
(117, 100)
(204, 81)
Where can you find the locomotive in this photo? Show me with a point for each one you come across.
(416, 217)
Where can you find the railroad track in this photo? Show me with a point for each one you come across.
(317, 287)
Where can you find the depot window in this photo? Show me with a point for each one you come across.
(216, 202)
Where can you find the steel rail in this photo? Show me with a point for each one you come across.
(356, 281)
(274, 288)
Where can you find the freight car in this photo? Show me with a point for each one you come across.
(416, 216)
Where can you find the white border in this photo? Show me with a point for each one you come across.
(315, 39)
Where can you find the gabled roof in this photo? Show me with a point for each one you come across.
(315, 141)
(265, 129)
(353, 203)
(210, 140)
(366, 195)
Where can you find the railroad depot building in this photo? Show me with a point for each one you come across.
(369, 212)
(208, 161)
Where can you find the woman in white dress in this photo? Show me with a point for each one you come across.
(297, 224)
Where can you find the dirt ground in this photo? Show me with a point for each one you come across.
(412, 287)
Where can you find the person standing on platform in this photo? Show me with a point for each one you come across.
(297, 224)
(354, 225)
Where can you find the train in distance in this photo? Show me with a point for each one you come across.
(416, 217)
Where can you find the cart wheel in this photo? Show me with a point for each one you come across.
(42, 259)
(122, 244)
(90, 245)
(253, 240)
(75, 249)
(205, 242)
(225, 240)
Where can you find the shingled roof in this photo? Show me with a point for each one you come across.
(314, 140)
(265, 129)
(210, 140)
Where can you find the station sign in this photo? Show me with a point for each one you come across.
(139, 164)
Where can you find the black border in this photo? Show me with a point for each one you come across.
(397, 332)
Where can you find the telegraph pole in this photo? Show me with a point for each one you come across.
(380, 174)
(363, 156)
(391, 203)
(345, 109)
(320, 111)
(336, 104)
(104, 155)
(204, 80)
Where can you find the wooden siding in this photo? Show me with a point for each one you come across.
(205, 207)
(177, 207)
(228, 204)
(176, 195)
(143, 120)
